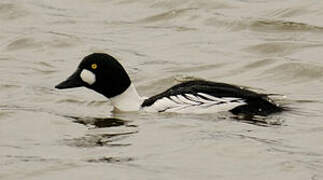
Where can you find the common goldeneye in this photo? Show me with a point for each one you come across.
(105, 75)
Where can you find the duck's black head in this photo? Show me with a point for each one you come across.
(99, 72)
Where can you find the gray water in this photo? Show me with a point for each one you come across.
(271, 46)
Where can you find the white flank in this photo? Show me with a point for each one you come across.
(88, 76)
(194, 104)
(129, 100)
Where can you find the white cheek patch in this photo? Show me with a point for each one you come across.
(88, 76)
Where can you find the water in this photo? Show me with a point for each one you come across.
(271, 46)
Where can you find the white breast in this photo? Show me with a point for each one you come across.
(189, 103)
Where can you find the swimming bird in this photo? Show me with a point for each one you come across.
(105, 75)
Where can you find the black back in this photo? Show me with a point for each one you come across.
(259, 104)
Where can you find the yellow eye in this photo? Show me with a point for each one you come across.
(94, 66)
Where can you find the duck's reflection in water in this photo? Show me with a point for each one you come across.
(102, 122)
(103, 132)
(113, 160)
(260, 120)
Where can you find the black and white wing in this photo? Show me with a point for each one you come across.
(198, 103)
(209, 97)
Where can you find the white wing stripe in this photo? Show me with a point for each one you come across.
(189, 103)
(175, 99)
(192, 97)
(204, 101)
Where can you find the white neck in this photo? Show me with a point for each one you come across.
(129, 100)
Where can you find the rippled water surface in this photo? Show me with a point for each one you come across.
(272, 46)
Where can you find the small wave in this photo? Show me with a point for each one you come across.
(258, 24)
(279, 48)
(10, 11)
(201, 4)
(279, 25)
(289, 11)
(296, 72)
(260, 63)
(44, 71)
(165, 15)
(4, 114)
(71, 101)
(23, 43)
(41, 40)
(9, 86)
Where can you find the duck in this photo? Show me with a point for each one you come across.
(104, 74)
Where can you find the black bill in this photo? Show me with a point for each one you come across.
(71, 82)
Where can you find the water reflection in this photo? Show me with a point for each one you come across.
(265, 121)
(111, 160)
(116, 130)
(101, 122)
